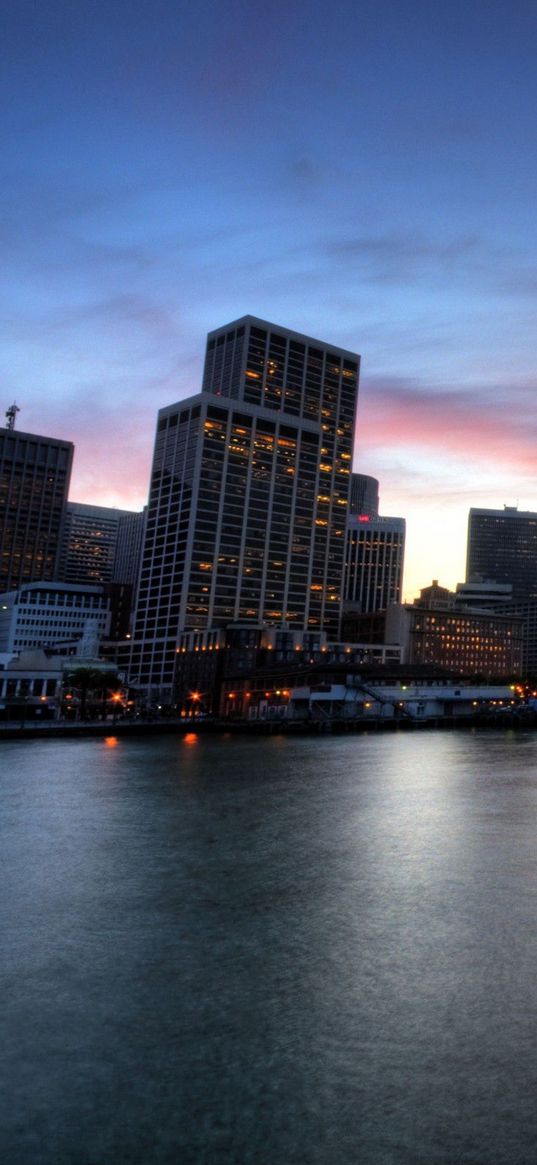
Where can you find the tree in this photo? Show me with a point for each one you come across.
(91, 680)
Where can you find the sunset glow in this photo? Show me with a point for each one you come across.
(375, 189)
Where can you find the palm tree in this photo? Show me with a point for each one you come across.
(88, 679)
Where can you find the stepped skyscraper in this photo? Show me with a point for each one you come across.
(249, 494)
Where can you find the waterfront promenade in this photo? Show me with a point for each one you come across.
(73, 729)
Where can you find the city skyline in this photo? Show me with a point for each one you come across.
(363, 175)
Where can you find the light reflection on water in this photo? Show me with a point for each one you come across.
(271, 951)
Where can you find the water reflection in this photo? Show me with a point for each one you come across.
(190, 738)
(271, 951)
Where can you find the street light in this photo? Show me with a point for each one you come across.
(116, 699)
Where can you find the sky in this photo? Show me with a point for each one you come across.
(365, 173)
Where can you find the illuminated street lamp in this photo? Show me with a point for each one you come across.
(116, 699)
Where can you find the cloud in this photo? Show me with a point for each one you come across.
(402, 258)
(483, 424)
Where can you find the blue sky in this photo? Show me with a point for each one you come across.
(363, 172)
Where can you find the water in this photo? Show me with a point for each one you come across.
(270, 952)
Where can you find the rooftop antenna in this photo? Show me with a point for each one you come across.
(11, 414)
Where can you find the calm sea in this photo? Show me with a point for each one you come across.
(270, 952)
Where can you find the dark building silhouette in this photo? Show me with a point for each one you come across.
(34, 480)
(364, 495)
(502, 546)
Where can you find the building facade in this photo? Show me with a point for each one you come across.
(364, 495)
(98, 542)
(130, 536)
(50, 615)
(502, 546)
(374, 560)
(470, 642)
(249, 494)
(34, 480)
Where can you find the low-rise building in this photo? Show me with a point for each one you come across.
(205, 660)
(30, 685)
(339, 692)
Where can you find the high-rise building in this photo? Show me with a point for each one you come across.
(89, 543)
(502, 546)
(249, 494)
(364, 496)
(374, 560)
(34, 480)
(100, 544)
(130, 533)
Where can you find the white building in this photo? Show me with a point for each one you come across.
(394, 701)
(51, 615)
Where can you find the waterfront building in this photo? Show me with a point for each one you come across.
(472, 642)
(30, 685)
(357, 689)
(34, 683)
(249, 495)
(34, 480)
(206, 660)
(52, 614)
(502, 545)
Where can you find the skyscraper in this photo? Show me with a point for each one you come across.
(34, 480)
(374, 559)
(249, 493)
(373, 562)
(502, 546)
(100, 544)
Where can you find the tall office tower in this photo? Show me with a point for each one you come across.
(364, 496)
(502, 546)
(249, 493)
(89, 540)
(374, 558)
(90, 543)
(34, 480)
(130, 533)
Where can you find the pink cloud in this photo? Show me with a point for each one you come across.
(486, 423)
